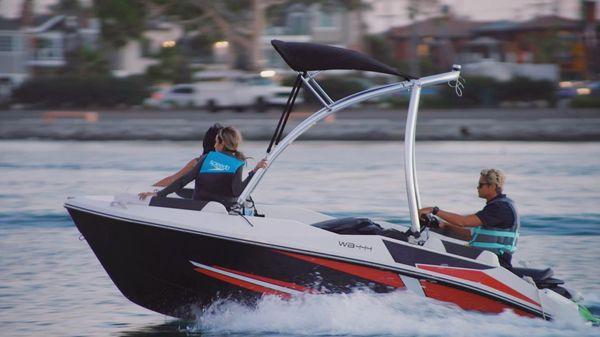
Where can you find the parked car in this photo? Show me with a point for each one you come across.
(570, 89)
(217, 90)
(177, 96)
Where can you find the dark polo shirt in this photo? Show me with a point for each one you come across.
(496, 214)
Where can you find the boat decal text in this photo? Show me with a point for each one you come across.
(353, 245)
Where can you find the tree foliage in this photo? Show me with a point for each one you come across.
(121, 20)
(240, 22)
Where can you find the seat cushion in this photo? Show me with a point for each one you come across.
(536, 274)
(350, 225)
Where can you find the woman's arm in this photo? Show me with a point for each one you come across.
(175, 185)
(237, 186)
(261, 164)
(181, 181)
(170, 179)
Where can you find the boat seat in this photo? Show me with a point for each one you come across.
(488, 258)
(350, 225)
(550, 282)
(185, 193)
(189, 204)
(538, 275)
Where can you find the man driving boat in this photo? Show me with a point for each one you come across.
(494, 228)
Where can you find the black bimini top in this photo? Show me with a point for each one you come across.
(302, 56)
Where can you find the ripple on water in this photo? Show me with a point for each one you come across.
(52, 284)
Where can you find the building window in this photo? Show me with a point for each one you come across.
(6, 43)
(48, 48)
(423, 50)
(326, 19)
(298, 23)
(297, 20)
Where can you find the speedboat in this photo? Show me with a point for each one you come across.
(174, 255)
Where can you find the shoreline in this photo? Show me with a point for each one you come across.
(363, 124)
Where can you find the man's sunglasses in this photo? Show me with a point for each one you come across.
(480, 185)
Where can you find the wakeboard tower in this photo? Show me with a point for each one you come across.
(172, 255)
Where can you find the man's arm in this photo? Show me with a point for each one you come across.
(456, 232)
(454, 219)
(458, 220)
(455, 225)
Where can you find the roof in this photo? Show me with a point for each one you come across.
(302, 57)
(39, 23)
(9, 24)
(496, 26)
(483, 41)
(439, 26)
(537, 23)
(549, 22)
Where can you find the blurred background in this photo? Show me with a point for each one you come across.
(119, 73)
(165, 54)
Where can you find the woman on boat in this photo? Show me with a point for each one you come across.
(217, 174)
(208, 144)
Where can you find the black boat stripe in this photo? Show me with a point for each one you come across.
(310, 253)
(408, 255)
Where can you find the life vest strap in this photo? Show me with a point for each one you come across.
(475, 232)
(506, 234)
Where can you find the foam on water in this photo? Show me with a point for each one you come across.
(364, 313)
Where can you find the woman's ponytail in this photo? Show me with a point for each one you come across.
(231, 139)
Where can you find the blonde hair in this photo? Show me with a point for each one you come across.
(231, 139)
(494, 177)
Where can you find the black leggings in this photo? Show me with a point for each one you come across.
(505, 260)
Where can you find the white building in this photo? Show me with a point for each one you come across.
(137, 55)
(39, 46)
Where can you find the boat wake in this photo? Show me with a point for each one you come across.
(364, 313)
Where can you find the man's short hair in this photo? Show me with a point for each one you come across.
(495, 177)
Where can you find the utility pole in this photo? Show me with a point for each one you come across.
(258, 14)
(414, 37)
(418, 8)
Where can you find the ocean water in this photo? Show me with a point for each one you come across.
(51, 284)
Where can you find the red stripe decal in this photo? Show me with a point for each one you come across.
(243, 284)
(380, 276)
(270, 280)
(479, 277)
(467, 300)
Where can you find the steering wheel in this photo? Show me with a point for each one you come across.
(428, 220)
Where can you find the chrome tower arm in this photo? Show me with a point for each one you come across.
(410, 169)
(328, 109)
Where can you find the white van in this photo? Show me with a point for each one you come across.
(238, 90)
(216, 90)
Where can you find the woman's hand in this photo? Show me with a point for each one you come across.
(262, 164)
(144, 195)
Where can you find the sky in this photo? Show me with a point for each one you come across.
(485, 10)
(481, 10)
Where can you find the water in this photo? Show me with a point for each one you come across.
(52, 284)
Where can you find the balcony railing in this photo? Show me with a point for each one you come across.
(50, 57)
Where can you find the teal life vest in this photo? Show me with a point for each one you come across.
(216, 178)
(497, 240)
